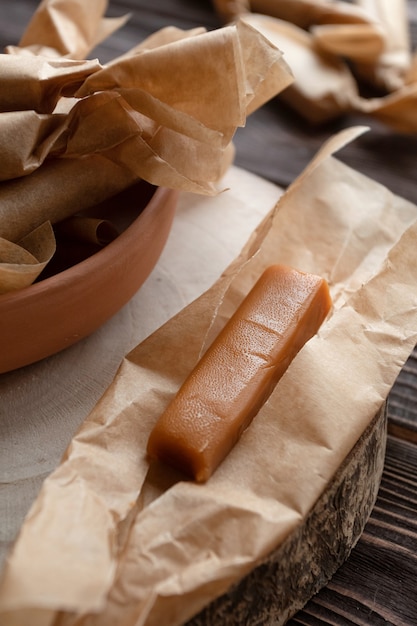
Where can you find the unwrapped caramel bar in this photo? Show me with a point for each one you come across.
(238, 372)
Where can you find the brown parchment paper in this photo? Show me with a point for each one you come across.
(110, 538)
(87, 229)
(80, 142)
(394, 60)
(208, 82)
(22, 262)
(37, 83)
(67, 28)
(335, 49)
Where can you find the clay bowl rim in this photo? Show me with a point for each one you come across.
(52, 282)
(114, 254)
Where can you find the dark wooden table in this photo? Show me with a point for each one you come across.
(378, 583)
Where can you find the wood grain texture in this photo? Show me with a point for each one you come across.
(402, 407)
(377, 584)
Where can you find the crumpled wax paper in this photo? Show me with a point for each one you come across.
(335, 49)
(81, 141)
(112, 539)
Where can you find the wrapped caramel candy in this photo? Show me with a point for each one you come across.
(81, 141)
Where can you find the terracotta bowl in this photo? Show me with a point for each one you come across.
(59, 310)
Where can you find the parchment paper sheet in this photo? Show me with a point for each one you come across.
(119, 541)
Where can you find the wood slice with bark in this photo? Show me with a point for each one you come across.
(277, 588)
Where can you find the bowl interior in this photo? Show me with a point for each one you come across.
(85, 284)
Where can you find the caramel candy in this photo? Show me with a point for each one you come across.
(236, 375)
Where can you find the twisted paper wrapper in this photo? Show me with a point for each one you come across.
(166, 112)
(336, 47)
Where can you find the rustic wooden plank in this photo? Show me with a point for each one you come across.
(402, 406)
(377, 584)
(277, 144)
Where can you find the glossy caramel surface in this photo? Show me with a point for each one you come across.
(236, 375)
